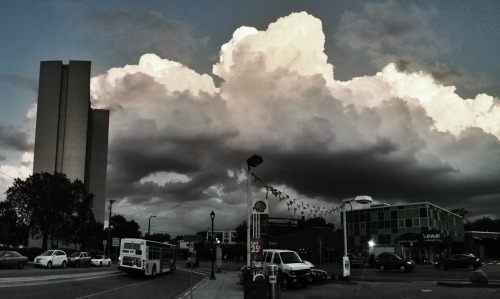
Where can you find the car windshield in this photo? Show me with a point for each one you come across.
(75, 254)
(98, 257)
(2, 253)
(397, 257)
(47, 253)
(290, 257)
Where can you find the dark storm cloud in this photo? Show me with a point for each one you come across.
(12, 138)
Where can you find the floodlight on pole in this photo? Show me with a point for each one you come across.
(361, 199)
(212, 217)
(149, 224)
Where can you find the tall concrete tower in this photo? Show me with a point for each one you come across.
(71, 137)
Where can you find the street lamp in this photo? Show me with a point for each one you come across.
(212, 275)
(361, 199)
(253, 161)
(109, 225)
(149, 224)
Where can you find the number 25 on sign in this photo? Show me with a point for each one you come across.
(255, 246)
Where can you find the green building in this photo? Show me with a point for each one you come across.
(419, 231)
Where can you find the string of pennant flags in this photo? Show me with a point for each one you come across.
(297, 206)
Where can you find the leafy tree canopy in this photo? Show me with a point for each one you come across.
(51, 205)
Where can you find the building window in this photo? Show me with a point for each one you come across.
(408, 223)
(401, 223)
(416, 222)
(423, 212)
(362, 225)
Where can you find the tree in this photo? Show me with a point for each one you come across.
(48, 204)
(12, 230)
(241, 232)
(121, 228)
(485, 224)
(316, 221)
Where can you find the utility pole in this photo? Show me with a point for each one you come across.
(109, 225)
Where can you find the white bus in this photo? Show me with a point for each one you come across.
(139, 256)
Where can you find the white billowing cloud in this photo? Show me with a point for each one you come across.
(279, 96)
(10, 172)
(450, 112)
(294, 44)
(162, 178)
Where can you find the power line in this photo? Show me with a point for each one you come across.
(7, 175)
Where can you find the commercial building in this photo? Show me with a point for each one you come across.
(71, 137)
(419, 231)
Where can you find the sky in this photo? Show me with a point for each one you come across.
(398, 100)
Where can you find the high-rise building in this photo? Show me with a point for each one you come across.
(71, 137)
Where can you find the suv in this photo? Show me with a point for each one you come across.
(292, 270)
(390, 260)
(51, 258)
(79, 258)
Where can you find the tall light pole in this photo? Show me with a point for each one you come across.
(361, 199)
(109, 225)
(212, 275)
(149, 224)
(253, 161)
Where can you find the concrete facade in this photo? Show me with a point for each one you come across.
(71, 137)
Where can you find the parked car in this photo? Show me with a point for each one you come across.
(79, 258)
(390, 260)
(12, 259)
(292, 271)
(192, 262)
(52, 258)
(101, 260)
(317, 275)
(459, 261)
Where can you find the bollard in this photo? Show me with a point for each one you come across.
(273, 281)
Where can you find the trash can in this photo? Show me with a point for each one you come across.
(260, 287)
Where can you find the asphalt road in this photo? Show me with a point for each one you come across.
(366, 283)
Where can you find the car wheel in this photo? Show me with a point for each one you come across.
(402, 269)
(100, 264)
(63, 264)
(49, 265)
(381, 268)
(20, 265)
(109, 264)
(470, 267)
(77, 264)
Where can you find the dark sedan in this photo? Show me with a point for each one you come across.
(388, 260)
(12, 259)
(459, 261)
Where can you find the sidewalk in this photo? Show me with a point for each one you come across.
(225, 285)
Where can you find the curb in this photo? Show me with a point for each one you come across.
(467, 285)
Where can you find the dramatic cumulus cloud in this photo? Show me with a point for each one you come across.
(178, 142)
